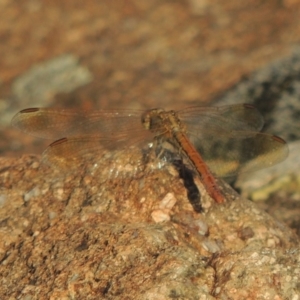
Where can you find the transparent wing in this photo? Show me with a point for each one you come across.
(82, 135)
(244, 151)
(226, 137)
(69, 153)
(55, 124)
(221, 120)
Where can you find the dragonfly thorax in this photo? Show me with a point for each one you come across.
(163, 122)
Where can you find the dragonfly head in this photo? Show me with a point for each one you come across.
(151, 119)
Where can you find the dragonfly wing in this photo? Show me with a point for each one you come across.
(82, 135)
(222, 120)
(244, 151)
(53, 123)
(69, 153)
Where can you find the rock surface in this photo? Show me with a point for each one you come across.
(88, 235)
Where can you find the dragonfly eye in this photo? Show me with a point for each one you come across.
(146, 119)
(151, 119)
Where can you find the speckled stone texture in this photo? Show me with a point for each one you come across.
(83, 236)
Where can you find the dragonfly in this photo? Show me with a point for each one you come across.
(214, 141)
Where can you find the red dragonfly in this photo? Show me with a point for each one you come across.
(215, 141)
